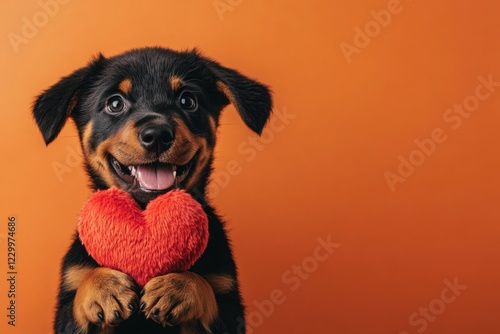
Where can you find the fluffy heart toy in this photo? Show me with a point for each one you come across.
(168, 236)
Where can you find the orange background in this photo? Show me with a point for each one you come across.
(321, 175)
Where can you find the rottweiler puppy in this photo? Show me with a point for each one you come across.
(147, 121)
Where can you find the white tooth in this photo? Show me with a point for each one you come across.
(132, 170)
(175, 173)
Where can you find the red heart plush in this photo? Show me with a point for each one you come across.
(168, 236)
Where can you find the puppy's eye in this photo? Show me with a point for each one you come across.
(188, 102)
(115, 105)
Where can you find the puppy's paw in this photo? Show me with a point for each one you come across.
(105, 297)
(179, 299)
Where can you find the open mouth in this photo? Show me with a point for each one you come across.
(151, 177)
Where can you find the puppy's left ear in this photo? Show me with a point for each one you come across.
(251, 99)
(54, 106)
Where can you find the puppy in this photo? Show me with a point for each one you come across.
(147, 122)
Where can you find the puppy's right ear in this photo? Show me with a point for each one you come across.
(53, 107)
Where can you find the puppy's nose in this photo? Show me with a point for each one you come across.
(156, 137)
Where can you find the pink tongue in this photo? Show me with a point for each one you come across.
(155, 177)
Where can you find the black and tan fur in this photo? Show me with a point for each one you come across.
(180, 96)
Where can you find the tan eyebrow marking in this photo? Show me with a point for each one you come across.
(125, 86)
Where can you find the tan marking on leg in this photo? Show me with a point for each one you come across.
(221, 283)
(74, 276)
(125, 86)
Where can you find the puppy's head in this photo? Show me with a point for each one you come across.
(147, 119)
